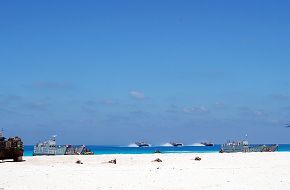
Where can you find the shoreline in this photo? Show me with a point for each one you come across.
(104, 150)
(145, 153)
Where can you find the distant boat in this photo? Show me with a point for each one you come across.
(49, 147)
(176, 144)
(142, 144)
(243, 146)
(205, 143)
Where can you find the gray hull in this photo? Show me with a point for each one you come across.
(245, 148)
(39, 151)
(49, 147)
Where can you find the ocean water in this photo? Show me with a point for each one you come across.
(97, 149)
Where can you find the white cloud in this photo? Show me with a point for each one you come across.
(137, 94)
(219, 105)
(199, 110)
(250, 112)
(259, 113)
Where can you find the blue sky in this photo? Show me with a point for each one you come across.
(114, 72)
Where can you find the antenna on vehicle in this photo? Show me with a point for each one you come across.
(1, 132)
(53, 137)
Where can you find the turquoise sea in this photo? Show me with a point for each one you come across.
(97, 149)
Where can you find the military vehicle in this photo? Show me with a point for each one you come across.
(142, 144)
(49, 147)
(11, 148)
(206, 143)
(176, 144)
(243, 146)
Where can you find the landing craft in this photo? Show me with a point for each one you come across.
(142, 144)
(176, 144)
(206, 143)
(243, 146)
(49, 147)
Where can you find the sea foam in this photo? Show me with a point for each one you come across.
(132, 145)
(197, 144)
(166, 144)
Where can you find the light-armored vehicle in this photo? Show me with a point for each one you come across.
(11, 148)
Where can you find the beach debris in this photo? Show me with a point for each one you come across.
(114, 161)
(157, 160)
(197, 158)
(157, 151)
(79, 162)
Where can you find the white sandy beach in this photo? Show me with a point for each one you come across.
(136, 172)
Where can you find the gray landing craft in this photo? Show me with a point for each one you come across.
(142, 144)
(243, 146)
(49, 147)
(206, 143)
(11, 148)
(176, 144)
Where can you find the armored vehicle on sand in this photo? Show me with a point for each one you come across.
(11, 148)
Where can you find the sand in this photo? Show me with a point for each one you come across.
(176, 171)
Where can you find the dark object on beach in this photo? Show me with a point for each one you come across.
(157, 151)
(11, 148)
(79, 162)
(113, 161)
(197, 158)
(157, 160)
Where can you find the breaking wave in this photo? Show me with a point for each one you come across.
(197, 144)
(132, 145)
(166, 144)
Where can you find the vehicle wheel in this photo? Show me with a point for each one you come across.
(18, 159)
